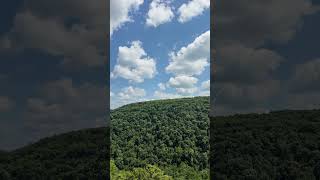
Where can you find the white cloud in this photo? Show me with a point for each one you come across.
(164, 95)
(193, 59)
(131, 93)
(133, 64)
(61, 105)
(187, 91)
(159, 13)
(191, 9)
(120, 10)
(127, 95)
(162, 86)
(77, 46)
(182, 82)
(184, 85)
(188, 62)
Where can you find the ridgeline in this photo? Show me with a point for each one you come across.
(168, 139)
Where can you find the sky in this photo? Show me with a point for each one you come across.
(267, 56)
(52, 68)
(159, 50)
(53, 62)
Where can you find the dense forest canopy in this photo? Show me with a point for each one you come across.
(76, 155)
(162, 139)
(282, 145)
(170, 134)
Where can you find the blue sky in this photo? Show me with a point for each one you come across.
(44, 93)
(159, 28)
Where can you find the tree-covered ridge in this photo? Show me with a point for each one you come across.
(279, 145)
(165, 133)
(76, 155)
(83, 154)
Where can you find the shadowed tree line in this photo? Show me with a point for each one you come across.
(282, 145)
(75, 155)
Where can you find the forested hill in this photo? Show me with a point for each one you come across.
(168, 139)
(170, 134)
(279, 145)
(76, 155)
(165, 138)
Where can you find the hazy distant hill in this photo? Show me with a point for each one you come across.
(282, 145)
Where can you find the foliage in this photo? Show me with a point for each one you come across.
(168, 140)
(149, 172)
(165, 133)
(184, 171)
(75, 155)
(165, 139)
(279, 145)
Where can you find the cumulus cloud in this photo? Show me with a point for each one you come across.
(241, 78)
(241, 64)
(133, 64)
(192, 59)
(162, 86)
(256, 22)
(188, 62)
(72, 32)
(159, 13)
(127, 95)
(193, 8)
(164, 95)
(234, 97)
(248, 76)
(42, 25)
(187, 91)
(131, 92)
(182, 82)
(120, 12)
(62, 105)
(83, 97)
(52, 37)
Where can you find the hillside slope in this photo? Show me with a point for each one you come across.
(147, 134)
(167, 133)
(161, 134)
(75, 155)
(279, 145)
